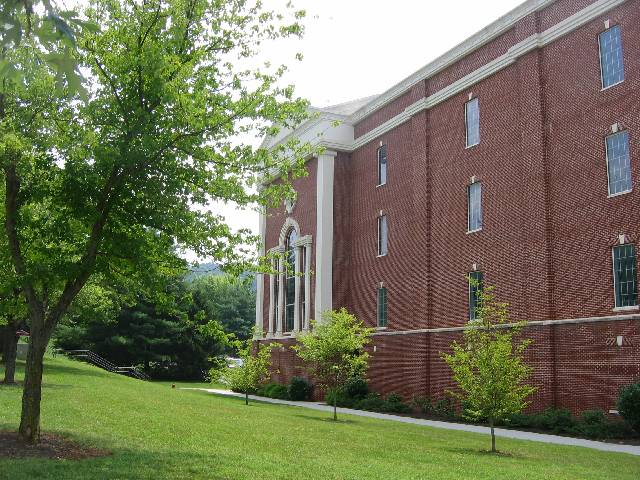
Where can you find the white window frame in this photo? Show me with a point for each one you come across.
(466, 123)
(469, 230)
(606, 149)
(386, 172)
(602, 87)
(617, 308)
(381, 219)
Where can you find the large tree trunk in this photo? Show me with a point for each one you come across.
(32, 394)
(10, 353)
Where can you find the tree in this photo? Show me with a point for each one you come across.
(333, 351)
(488, 365)
(164, 334)
(230, 300)
(53, 35)
(253, 370)
(108, 183)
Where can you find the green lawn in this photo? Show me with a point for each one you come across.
(159, 433)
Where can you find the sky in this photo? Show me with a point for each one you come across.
(356, 48)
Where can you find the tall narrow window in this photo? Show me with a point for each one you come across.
(611, 63)
(382, 165)
(472, 121)
(475, 287)
(382, 235)
(302, 269)
(474, 207)
(290, 281)
(624, 275)
(618, 163)
(382, 307)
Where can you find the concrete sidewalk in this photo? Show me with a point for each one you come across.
(500, 432)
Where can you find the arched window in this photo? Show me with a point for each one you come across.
(290, 280)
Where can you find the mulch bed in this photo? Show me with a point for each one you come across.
(50, 446)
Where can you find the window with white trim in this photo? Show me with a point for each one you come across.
(618, 163)
(625, 275)
(290, 281)
(382, 307)
(382, 165)
(472, 122)
(475, 287)
(611, 61)
(382, 235)
(474, 207)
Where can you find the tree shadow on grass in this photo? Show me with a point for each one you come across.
(484, 453)
(131, 464)
(327, 419)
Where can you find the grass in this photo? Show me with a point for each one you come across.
(158, 433)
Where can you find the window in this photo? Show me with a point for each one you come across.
(472, 121)
(475, 287)
(624, 276)
(474, 207)
(382, 165)
(611, 63)
(290, 281)
(382, 307)
(382, 235)
(618, 163)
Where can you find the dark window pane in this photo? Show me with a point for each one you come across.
(382, 307)
(625, 275)
(475, 286)
(382, 165)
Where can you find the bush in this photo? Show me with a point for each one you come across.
(299, 389)
(394, 404)
(373, 402)
(422, 404)
(444, 407)
(341, 398)
(356, 387)
(629, 405)
(274, 390)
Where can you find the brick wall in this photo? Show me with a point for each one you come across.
(548, 224)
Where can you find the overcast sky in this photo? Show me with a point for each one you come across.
(356, 48)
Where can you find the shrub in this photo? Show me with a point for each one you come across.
(274, 390)
(356, 387)
(422, 404)
(629, 405)
(341, 398)
(299, 389)
(558, 420)
(444, 407)
(373, 402)
(394, 404)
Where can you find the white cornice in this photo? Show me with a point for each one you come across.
(484, 36)
(340, 137)
(516, 51)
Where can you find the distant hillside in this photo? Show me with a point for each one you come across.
(212, 268)
(204, 270)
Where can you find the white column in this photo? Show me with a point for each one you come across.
(272, 295)
(260, 283)
(307, 286)
(324, 234)
(296, 311)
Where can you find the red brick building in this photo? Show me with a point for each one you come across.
(514, 157)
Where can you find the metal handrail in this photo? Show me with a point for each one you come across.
(105, 364)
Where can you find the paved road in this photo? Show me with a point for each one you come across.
(500, 432)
